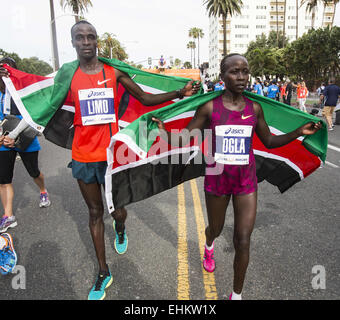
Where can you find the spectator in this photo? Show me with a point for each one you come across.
(258, 87)
(219, 86)
(331, 94)
(302, 93)
(289, 91)
(273, 90)
(8, 153)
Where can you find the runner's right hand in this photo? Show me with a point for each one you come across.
(160, 123)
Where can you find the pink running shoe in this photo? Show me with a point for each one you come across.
(208, 260)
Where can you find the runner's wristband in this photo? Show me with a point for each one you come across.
(179, 94)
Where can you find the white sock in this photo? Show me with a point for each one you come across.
(209, 248)
(235, 296)
(3, 243)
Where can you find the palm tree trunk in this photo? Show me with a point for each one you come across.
(224, 35)
(284, 23)
(334, 10)
(55, 56)
(198, 50)
(297, 19)
(277, 25)
(191, 56)
(194, 56)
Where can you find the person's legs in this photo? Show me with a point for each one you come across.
(7, 195)
(30, 161)
(216, 210)
(119, 215)
(7, 161)
(327, 113)
(93, 197)
(121, 239)
(244, 220)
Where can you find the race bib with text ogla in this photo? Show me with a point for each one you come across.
(233, 144)
(96, 106)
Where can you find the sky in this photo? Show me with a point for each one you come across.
(146, 28)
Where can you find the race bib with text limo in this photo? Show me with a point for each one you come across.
(96, 106)
(233, 144)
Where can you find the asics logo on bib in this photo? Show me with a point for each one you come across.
(96, 94)
(234, 131)
(102, 82)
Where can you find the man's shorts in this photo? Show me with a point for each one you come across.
(7, 161)
(89, 172)
(327, 111)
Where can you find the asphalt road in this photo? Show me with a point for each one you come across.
(295, 241)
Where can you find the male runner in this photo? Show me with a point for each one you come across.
(90, 141)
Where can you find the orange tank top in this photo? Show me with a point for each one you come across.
(94, 96)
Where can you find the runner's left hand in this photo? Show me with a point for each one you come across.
(310, 128)
(191, 88)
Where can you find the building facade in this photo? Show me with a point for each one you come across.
(262, 16)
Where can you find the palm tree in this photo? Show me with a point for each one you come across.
(78, 6)
(221, 8)
(110, 47)
(312, 5)
(192, 46)
(197, 33)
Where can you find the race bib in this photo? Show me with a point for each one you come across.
(96, 106)
(233, 144)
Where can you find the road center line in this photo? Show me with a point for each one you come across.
(208, 278)
(182, 250)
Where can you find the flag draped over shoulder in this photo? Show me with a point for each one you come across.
(140, 164)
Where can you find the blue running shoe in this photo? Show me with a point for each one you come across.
(121, 240)
(104, 280)
(8, 256)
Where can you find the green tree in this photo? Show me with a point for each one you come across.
(314, 63)
(196, 33)
(187, 65)
(110, 47)
(277, 39)
(221, 8)
(178, 62)
(12, 55)
(30, 65)
(35, 66)
(265, 58)
(78, 7)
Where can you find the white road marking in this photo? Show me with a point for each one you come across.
(332, 164)
(334, 148)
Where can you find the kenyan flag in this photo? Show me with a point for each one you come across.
(140, 164)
